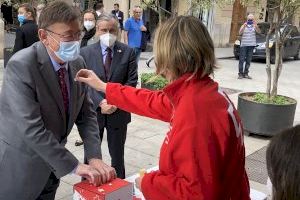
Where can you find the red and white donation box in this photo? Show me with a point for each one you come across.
(118, 189)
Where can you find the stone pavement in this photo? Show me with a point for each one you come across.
(146, 135)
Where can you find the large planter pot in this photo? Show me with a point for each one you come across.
(265, 119)
(7, 55)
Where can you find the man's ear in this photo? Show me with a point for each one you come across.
(43, 36)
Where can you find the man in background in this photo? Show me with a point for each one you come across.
(39, 9)
(99, 9)
(6, 10)
(120, 15)
(115, 62)
(248, 42)
(133, 31)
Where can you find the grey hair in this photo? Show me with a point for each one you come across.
(250, 15)
(136, 7)
(107, 17)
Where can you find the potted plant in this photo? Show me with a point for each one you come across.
(8, 52)
(268, 113)
(152, 81)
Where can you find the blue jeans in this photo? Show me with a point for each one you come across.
(245, 55)
(137, 52)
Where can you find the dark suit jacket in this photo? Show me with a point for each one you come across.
(123, 70)
(120, 17)
(26, 35)
(34, 125)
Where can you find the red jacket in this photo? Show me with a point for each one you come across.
(203, 154)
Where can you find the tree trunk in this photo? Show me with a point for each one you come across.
(278, 51)
(174, 8)
(159, 11)
(238, 17)
(268, 62)
(278, 68)
(268, 51)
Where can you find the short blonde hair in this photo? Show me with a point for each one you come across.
(183, 45)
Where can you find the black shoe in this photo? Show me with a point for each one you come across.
(247, 76)
(78, 143)
(240, 76)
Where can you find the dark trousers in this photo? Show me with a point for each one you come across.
(116, 138)
(137, 52)
(50, 188)
(245, 56)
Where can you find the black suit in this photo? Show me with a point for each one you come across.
(120, 17)
(26, 35)
(123, 70)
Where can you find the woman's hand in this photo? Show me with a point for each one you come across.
(138, 182)
(90, 78)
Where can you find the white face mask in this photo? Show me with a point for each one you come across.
(108, 39)
(88, 25)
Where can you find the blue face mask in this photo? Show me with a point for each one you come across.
(250, 22)
(21, 19)
(68, 51)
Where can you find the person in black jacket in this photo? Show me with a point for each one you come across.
(89, 23)
(27, 33)
(119, 14)
(6, 9)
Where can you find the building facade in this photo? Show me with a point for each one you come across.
(223, 22)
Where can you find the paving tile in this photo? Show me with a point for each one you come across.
(256, 166)
(254, 143)
(131, 169)
(139, 159)
(259, 155)
(68, 197)
(258, 186)
(71, 179)
(64, 190)
(144, 146)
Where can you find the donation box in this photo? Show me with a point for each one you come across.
(118, 189)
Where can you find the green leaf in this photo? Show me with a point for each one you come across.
(154, 81)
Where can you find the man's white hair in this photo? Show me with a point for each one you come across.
(250, 16)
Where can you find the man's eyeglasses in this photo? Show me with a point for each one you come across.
(75, 36)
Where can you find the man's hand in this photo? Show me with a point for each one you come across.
(125, 36)
(90, 78)
(143, 28)
(107, 108)
(89, 173)
(107, 173)
(256, 27)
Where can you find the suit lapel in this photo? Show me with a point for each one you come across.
(50, 77)
(117, 55)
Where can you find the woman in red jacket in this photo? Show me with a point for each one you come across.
(203, 154)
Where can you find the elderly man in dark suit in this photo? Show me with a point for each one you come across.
(39, 104)
(114, 62)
